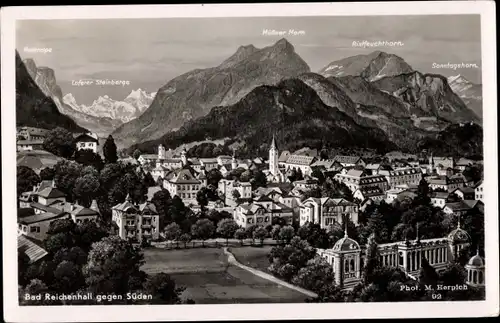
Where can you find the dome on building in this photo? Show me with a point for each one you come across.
(476, 261)
(458, 235)
(346, 244)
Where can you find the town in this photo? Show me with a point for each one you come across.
(422, 215)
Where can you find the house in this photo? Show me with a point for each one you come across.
(456, 208)
(348, 161)
(183, 183)
(300, 162)
(29, 145)
(327, 211)
(441, 162)
(402, 176)
(247, 214)
(399, 155)
(36, 159)
(307, 183)
(147, 158)
(446, 183)
(36, 226)
(88, 141)
(465, 193)
(79, 214)
(478, 191)
(227, 188)
(209, 163)
(49, 195)
(463, 163)
(373, 193)
(136, 222)
(32, 133)
(439, 199)
(31, 248)
(356, 179)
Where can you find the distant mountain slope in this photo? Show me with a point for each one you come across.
(292, 110)
(195, 93)
(118, 111)
(427, 95)
(33, 107)
(45, 78)
(371, 67)
(470, 93)
(457, 140)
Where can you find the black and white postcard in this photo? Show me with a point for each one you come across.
(253, 161)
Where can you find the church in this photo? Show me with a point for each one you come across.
(275, 174)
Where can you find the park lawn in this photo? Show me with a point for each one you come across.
(255, 257)
(209, 279)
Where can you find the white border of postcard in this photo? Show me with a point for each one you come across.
(15, 313)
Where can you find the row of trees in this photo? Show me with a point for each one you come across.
(83, 258)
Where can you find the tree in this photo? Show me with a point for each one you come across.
(136, 154)
(113, 266)
(226, 228)
(287, 233)
(88, 157)
(26, 179)
(201, 197)
(317, 173)
(67, 172)
(86, 189)
(163, 289)
(315, 235)
(173, 232)
(275, 232)
(185, 238)
(372, 260)
(60, 142)
(427, 274)
(315, 275)
(249, 231)
(213, 177)
(203, 229)
(23, 263)
(240, 234)
(109, 150)
(149, 180)
(259, 180)
(68, 277)
(236, 195)
(162, 201)
(423, 194)
(260, 233)
(287, 260)
(47, 174)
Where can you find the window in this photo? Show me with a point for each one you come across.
(35, 229)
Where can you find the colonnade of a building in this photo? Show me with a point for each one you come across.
(475, 276)
(436, 254)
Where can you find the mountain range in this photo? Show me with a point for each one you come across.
(195, 93)
(33, 107)
(378, 94)
(291, 110)
(470, 93)
(103, 116)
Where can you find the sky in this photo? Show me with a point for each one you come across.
(149, 52)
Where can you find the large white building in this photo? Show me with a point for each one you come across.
(136, 222)
(183, 183)
(402, 176)
(356, 179)
(326, 211)
(347, 257)
(88, 141)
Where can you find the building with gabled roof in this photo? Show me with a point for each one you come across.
(31, 248)
(183, 183)
(136, 222)
(348, 161)
(374, 193)
(478, 189)
(36, 226)
(87, 141)
(327, 211)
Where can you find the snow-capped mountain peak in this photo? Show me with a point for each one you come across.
(457, 79)
(104, 106)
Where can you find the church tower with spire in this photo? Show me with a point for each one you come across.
(273, 158)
